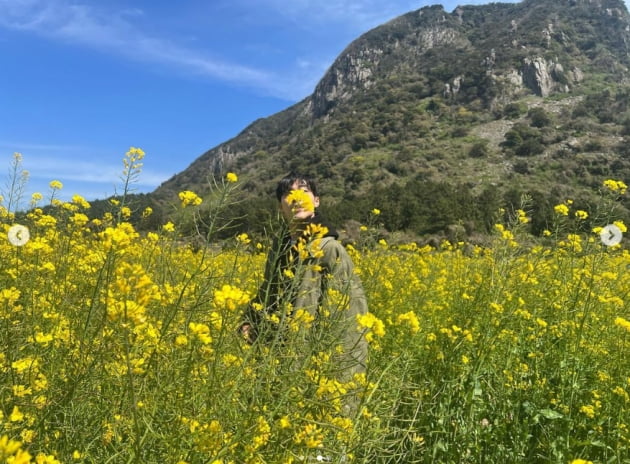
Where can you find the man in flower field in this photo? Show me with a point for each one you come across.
(310, 287)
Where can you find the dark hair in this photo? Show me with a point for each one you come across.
(286, 184)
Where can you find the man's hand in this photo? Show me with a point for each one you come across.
(247, 332)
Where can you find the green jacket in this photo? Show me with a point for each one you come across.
(322, 283)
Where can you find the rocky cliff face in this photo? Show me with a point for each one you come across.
(544, 77)
(352, 71)
(371, 57)
(534, 51)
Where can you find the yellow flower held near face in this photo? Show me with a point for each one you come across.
(300, 199)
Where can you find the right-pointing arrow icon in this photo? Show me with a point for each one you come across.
(611, 235)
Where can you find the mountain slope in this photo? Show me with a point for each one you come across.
(486, 102)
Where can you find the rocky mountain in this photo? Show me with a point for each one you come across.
(441, 118)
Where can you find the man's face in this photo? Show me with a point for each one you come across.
(292, 210)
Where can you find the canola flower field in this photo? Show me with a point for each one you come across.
(121, 347)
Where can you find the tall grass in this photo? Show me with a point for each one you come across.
(121, 347)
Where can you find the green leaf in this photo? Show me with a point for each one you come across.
(550, 414)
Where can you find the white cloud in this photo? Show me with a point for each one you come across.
(113, 33)
(10, 145)
(45, 163)
(50, 168)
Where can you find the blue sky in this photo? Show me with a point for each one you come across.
(83, 80)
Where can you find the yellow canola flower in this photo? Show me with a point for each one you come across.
(623, 323)
(80, 201)
(230, 297)
(43, 339)
(616, 186)
(11, 452)
(24, 364)
(9, 295)
(55, 185)
(46, 221)
(284, 422)
(622, 227)
(573, 242)
(42, 458)
(580, 214)
(230, 360)
(561, 209)
(8, 446)
(122, 235)
(126, 311)
(243, 238)
(181, 340)
(310, 435)
(588, 410)
(79, 219)
(309, 245)
(299, 199)
(201, 331)
(132, 159)
(21, 391)
(69, 206)
(231, 177)
(411, 320)
(135, 153)
(189, 198)
(373, 325)
(16, 415)
(301, 319)
(263, 430)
